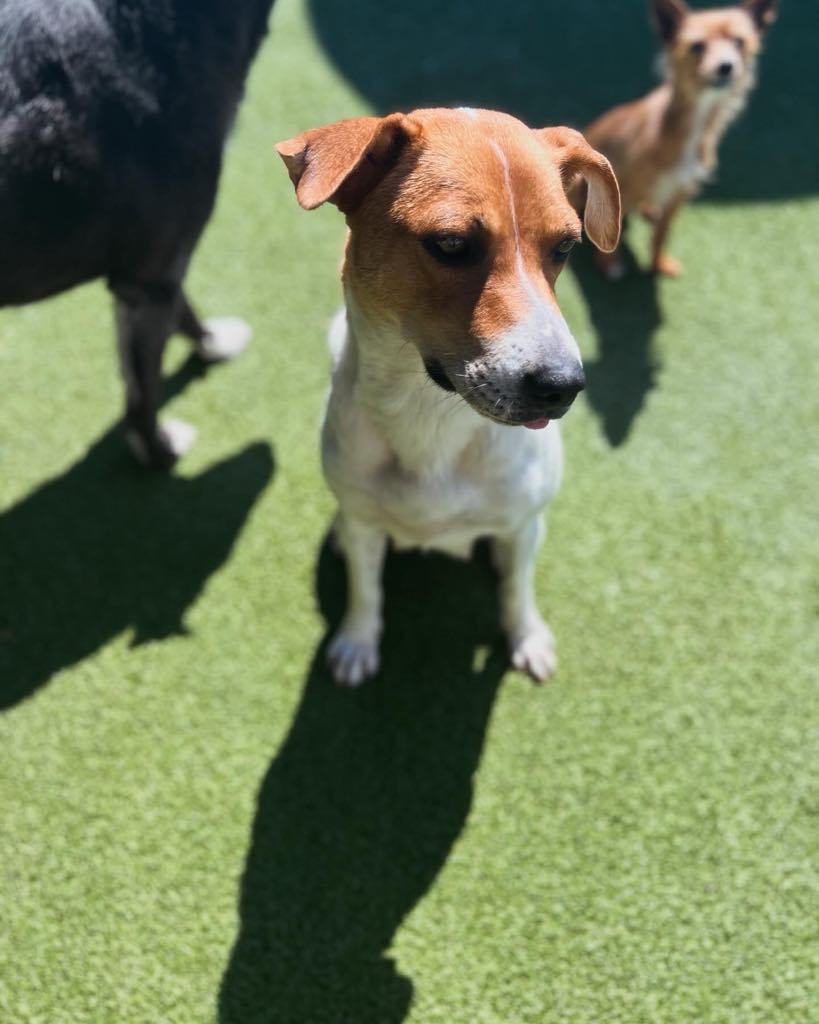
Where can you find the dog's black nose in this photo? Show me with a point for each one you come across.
(546, 388)
(725, 70)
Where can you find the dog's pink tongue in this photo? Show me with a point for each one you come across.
(536, 424)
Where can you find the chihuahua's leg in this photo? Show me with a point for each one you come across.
(145, 317)
(531, 643)
(216, 340)
(353, 651)
(661, 262)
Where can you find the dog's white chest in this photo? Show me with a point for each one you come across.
(504, 476)
(692, 168)
(451, 512)
(422, 466)
(685, 178)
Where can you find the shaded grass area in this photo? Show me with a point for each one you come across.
(564, 63)
(198, 827)
(363, 802)
(105, 547)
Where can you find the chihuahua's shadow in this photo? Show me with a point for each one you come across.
(364, 800)
(107, 546)
(625, 316)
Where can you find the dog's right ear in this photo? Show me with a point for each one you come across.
(667, 16)
(340, 163)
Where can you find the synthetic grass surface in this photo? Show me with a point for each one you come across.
(196, 826)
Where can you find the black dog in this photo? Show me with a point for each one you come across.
(113, 116)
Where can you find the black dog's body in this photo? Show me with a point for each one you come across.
(113, 116)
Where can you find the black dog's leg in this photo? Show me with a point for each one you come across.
(188, 323)
(215, 340)
(146, 316)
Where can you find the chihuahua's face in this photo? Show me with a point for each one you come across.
(458, 245)
(713, 49)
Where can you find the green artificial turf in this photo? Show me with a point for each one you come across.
(195, 826)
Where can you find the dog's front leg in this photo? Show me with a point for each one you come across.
(146, 315)
(353, 651)
(661, 262)
(531, 644)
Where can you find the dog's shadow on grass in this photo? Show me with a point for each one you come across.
(108, 546)
(625, 316)
(363, 802)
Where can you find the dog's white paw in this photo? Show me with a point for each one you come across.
(177, 436)
(352, 658)
(174, 438)
(533, 652)
(226, 337)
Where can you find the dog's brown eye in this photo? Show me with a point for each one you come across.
(740, 44)
(697, 48)
(561, 253)
(451, 245)
(454, 250)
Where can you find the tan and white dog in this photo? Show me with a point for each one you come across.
(664, 146)
(452, 356)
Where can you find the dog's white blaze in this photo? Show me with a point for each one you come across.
(470, 113)
(535, 334)
(522, 338)
(508, 179)
(524, 278)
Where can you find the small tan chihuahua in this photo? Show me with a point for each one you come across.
(664, 146)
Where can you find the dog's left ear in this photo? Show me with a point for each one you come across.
(340, 163)
(763, 12)
(577, 160)
(668, 16)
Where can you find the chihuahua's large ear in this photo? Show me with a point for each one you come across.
(340, 163)
(577, 160)
(667, 16)
(763, 12)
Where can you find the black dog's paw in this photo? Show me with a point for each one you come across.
(225, 338)
(173, 439)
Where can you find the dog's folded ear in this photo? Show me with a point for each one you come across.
(340, 163)
(763, 12)
(581, 165)
(667, 16)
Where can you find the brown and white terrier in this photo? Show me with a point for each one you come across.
(663, 147)
(451, 356)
